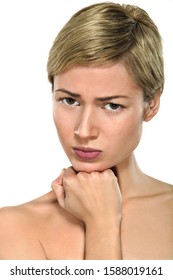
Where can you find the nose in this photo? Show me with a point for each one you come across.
(87, 127)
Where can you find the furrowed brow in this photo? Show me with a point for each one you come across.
(72, 94)
(106, 98)
(76, 95)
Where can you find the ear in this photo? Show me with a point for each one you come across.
(152, 107)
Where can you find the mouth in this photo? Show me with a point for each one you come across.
(86, 153)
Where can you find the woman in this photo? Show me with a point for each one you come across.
(106, 71)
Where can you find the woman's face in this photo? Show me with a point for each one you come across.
(98, 113)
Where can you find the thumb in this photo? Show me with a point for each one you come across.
(59, 179)
(60, 194)
(57, 187)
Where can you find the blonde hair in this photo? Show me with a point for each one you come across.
(107, 33)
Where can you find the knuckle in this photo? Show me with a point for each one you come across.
(107, 173)
(68, 178)
(82, 176)
(54, 183)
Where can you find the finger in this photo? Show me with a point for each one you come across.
(59, 180)
(60, 194)
(70, 171)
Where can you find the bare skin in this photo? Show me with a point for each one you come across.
(104, 207)
(41, 229)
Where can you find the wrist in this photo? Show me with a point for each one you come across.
(107, 226)
(103, 240)
(99, 222)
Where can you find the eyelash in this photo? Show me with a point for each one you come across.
(64, 101)
(118, 107)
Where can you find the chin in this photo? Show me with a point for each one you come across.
(90, 167)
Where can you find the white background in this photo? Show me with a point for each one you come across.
(30, 154)
(111, 269)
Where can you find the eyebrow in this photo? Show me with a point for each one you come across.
(68, 92)
(76, 95)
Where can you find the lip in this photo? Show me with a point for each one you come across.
(86, 153)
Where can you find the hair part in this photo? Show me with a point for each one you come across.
(107, 33)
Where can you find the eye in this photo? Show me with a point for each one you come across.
(69, 101)
(113, 107)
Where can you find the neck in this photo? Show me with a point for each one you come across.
(129, 176)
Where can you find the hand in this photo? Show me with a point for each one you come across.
(57, 186)
(91, 197)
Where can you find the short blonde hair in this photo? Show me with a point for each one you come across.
(107, 33)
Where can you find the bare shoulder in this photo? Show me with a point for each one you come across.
(154, 192)
(21, 218)
(39, 229)
(29, 210)
(21, 226)
(160, 192)
(160, 186)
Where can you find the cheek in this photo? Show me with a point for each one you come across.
(133, 126)
(132, 133)
(63, 125)
(125, 133)
(59, 124)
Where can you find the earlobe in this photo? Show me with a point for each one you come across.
(152, 108)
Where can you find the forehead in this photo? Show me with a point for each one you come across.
(98, 81)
